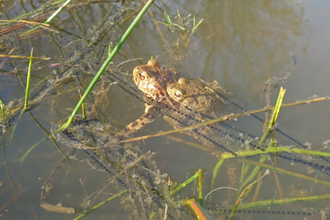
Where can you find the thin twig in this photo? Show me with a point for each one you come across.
(244, 191)
(223, 118)
(24, 57)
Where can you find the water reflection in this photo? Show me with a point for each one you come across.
(250, 37)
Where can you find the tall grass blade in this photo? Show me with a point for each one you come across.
(185, 183)
(288, 149)
(287, 172)
(168, 18)
(215, 171)
(100, 205)
(3, 115)
(200, 187)
(27, 89)
(272, 202)
(42, 8)
(244, 191)
(31, 148)
(262, 139)
(50, 18)
(108, 60)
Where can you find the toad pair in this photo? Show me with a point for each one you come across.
(179, 96)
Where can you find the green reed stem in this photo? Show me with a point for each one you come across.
(262, 139)
(83, 110)
(196, 26)
(243, 193)
(270, 202)
(280, 170)
(225, 156)
(42, 8)
(184, 184)
(50, 18)
(200, 187)
(27, 89)
(216, 171)
(108, 60)
(168, 18)
(245, 168)
(283, 201)
(100, 205)
(21, 106)
(3, 114)
(31, 148)
(274, 115)
(254, 173)
(57, 11)
(277, 169)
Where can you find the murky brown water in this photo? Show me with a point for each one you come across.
(239, 43)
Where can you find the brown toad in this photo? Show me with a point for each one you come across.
(196, 94)
(152, 79)
(199, 96)
(199, 101)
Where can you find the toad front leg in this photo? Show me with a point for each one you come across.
(139, 123)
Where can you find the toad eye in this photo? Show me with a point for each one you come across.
(179, 94)
(142, 76)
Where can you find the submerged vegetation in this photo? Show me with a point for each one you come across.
(82, 74)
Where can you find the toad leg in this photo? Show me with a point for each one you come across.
(139, 123)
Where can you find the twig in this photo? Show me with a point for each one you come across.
(242, 194)
(256, 193)
(223, 118)
(4, 60)
(24, 57)
(272, 150)
(46, 187)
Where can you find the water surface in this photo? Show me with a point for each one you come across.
(239, 43)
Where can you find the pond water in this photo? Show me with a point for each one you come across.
(240, 44)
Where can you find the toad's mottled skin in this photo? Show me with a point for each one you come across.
(199, 101)
(196, 94)
(152, 79)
